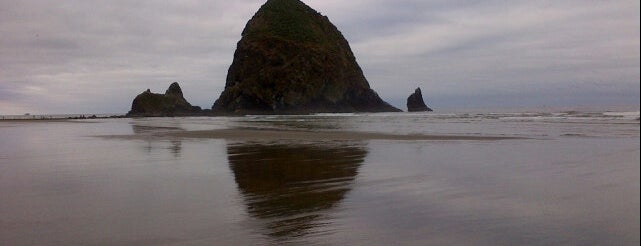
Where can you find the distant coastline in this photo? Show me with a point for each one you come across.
(59, 117)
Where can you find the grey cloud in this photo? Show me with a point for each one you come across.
(105, 52)
(505, 50)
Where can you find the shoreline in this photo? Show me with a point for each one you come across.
(45, 118)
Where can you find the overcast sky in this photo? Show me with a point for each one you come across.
(95, 56)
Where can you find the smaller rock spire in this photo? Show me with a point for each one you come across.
(415, 102)
(174, 89)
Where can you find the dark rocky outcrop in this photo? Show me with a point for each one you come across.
(415, 102)
(172, 103)
(291, 59)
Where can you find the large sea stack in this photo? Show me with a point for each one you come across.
(290, 60)
(172, 103)
(415, 102)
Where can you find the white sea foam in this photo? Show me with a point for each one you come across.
(625, 115)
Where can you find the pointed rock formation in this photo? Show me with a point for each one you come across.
(174, 89)
(415, 102)
(172, 103)
(291, 59)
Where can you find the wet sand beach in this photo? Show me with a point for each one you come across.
(404, 179)
(251, 134)
(273, 135)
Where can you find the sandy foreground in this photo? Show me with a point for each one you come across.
(267, 134)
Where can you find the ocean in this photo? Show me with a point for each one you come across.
(461, 178)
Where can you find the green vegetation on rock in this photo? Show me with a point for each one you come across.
(290, 20)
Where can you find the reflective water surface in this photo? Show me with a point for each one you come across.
(573, 179)
(291, 188)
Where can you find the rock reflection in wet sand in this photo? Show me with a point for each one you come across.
(291, 188)
(175, 144)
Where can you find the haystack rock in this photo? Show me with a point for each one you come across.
(415, 102)
(172, 103)
(290, 60)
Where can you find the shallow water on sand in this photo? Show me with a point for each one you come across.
(568, 178)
